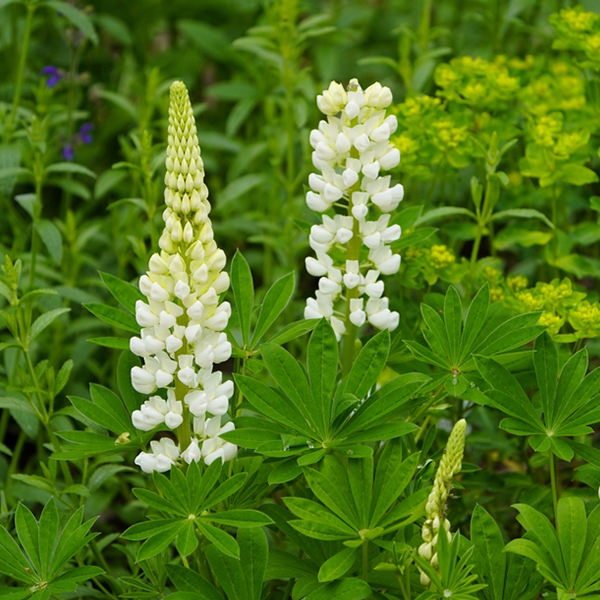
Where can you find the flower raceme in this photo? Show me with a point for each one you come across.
(351, 148)
(182, 320)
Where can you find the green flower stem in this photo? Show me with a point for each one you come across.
(554, 481)
(34, 234)
(16, 455)
(183, 431)
(365, 560)
(351, 329)
(8, 130)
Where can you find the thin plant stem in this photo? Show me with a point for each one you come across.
(351, 329)
(554, 481)
(365, 560)
(8, 130)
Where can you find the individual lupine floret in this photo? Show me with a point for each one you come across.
(435, 509)
(351, 148)
(182, 320)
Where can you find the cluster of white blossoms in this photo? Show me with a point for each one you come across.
(182, 321)
(351, 148)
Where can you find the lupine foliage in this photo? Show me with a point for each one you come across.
(299, 299)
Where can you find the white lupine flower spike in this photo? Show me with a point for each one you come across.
(351, 151)
(182, 320)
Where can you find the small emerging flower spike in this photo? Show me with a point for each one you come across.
(182, 321)
(351, 150)
(450, 465)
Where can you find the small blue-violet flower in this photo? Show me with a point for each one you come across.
(85, 133)
(68, 152)
(54, 75)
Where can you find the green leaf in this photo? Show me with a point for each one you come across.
(111, 342)
(285, 471)
(132, 399)
(239, 518)
(124, 292)
(50, 235)
(44, 320)
(254, 553)
(453, 322)
(443, 213)
(541, 527)
(339, 564)
(76, 17)
(578, 174)
(291, 379)
(475, 320)
(47, 536)
(228, 572)
(522, 213)
(368, 365)
(187, 540)
(243, 292)
(572, 533)
(227, 488)
(27, 530)
(490, 560)
(276, 299)
(222, 541)
(545, 361)
(160, 542)
(233, 190)
(113, 316)
(397, 477)
(322, 361)
(148, 529)
(12, 561)
(68, 167)
(188, 580)
(345, 589)
(433, 320)
(293, 331)
(571, 393)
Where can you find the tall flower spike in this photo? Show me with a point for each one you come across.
(182, 321)
(450, 465)
(351, 148)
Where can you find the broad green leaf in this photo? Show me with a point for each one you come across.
(254, 553)
(44, 320)
(275, 301)
(187, 541)
(522, 213)
(389, 398)
(513, 333)
(77, 18)
(322, 362)
(47, 536)
(571, 376)
(50, 235)
(345, 589)
(522, 582)
(285, 471)
(490, 560)
(443, 213)
(332, 487)
(476, 315)
(541, 527)
(243, 292)
(188, 580)
(239, 518)
(572, 533)
(27, 530)
(398, 476)
(227, 488)
(157, 543)
(291, 379)
(246, 437)
(153, 500)
(272, 405)
(323, 531)
(12, 561)
(68, 167)
(434, 321)
(228, 572)
(368, 365)
(453, 322)
(293, 331)
(113, 316)
(111, 342)
(339, 564)
(132, 399)
(423, 354)
(360, 476)
(545, 361)
(222, 540)
(124, 292)
(147, 529)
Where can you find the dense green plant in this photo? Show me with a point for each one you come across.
(249, 354)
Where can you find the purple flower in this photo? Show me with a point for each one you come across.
(68, 152)
(54, 75)
(85, 133)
